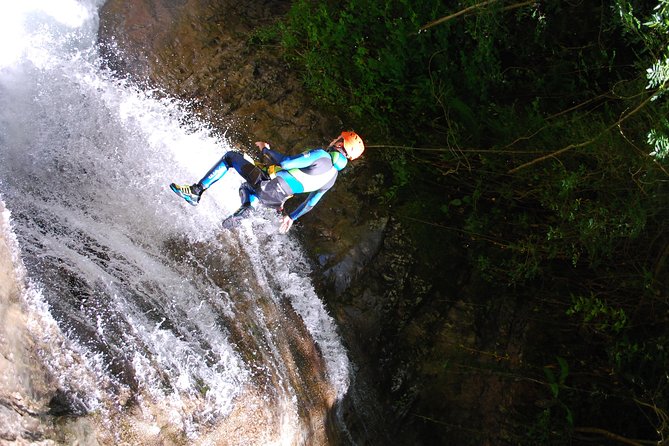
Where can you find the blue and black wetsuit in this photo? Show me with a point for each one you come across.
(313, 172)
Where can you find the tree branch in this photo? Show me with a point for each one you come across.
(457, 14)
(551, 155)
(470, 9)
(612, 436)
(573, 146)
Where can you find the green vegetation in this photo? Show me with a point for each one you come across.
(539, 131)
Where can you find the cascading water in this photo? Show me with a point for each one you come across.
(149, 320)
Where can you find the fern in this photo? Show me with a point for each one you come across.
(660, 144)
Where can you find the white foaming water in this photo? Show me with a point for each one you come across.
(25, 27)
(288, 268)
(120, 303)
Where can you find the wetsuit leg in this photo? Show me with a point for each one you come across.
(215, 173)
(236, 160)
(248, 195)
(258, 185)
(250, 172)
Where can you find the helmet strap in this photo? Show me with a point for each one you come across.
(341, 150)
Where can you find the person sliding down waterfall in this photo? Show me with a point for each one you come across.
(283, 176)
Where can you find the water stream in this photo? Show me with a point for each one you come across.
(148, 320)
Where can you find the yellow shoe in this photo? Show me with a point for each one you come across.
(191, 193)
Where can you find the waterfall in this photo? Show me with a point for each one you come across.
(148, 319)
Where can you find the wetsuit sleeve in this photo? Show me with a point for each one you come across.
(303, 160)
(307, 204)
(273, 156)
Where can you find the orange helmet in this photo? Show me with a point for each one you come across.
(353, 145)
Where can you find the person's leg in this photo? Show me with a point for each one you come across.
(193, 193)
(253, 176)
(236, 160)
(249, 171)
(249, 202)
(248, 195)
(215, 173)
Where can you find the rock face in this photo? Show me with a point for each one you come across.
(199, 50)
(17, 367)
(424, 367)
(33, 410)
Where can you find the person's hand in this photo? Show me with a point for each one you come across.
(333, 142)
(262, 144)
(286, 223)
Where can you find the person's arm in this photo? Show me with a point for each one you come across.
(302, 209)
(307, 205)
(270, 155)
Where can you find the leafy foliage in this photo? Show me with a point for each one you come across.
(655, 34)
(363, 55)
(597, 314)
(537, 132)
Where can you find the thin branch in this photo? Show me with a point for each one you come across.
(441, 149)
(459, 427)
(518, 5)
(470, 9)
(612, 436)
(643, 153)
(503, 244)
(573, 146)
(563, 112)
(457, 14)
(552, 155)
